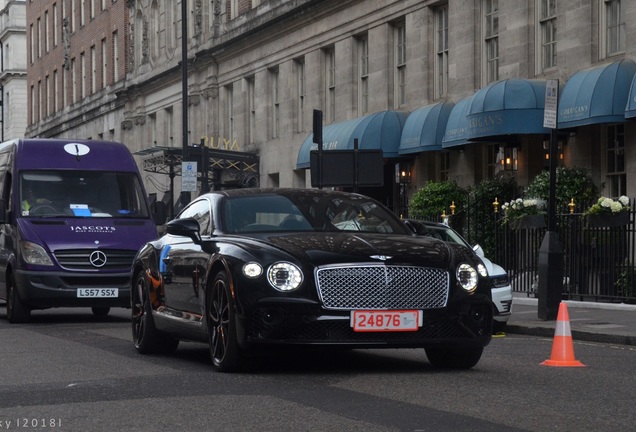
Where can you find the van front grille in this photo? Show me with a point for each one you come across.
(80, 259)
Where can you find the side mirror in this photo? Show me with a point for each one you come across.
(159, 212)
(3, 212)
(410, 226)
(187, 227)
(479, 251)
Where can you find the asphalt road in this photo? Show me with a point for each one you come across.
(70, 371)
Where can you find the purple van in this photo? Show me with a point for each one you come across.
(73, 215)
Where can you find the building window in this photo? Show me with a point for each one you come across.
(82, 16)
(39, 101)
(234, 5)
(616, 184)
(47, 96)
(32, 110)
(56, 102)
(55, 22)
(104, 63)
(444, 166)
(229, 103)
(547, 33)
(115, 60)
(83, 75)
(330, 74)
(92, 9)
(491, 40)
(300, 91)
(492, 160)
(612, 28)
(251, 104)
(275, 115)
(46, 31)
(93, 70)
(400, 64)
(39, 41)
(73, 15)
(32, 34)
(73, 81)
(64, 87)
(363, 74)
(441, 44)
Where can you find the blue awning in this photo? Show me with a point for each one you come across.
(513, 106)
(630, 109)
(379, 131)
(455, 134)
(425, 128)
(596, 95)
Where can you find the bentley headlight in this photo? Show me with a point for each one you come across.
(481, 269)
(467, 277)
(33, 253)
(252, 270)
(284, 276)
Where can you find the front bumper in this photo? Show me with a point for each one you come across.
(502, 299)
(41, 290)
(304, 322)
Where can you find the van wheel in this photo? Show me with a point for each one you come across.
(17, 312)
(100, 311)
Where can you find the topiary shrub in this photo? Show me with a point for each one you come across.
(571, 183)
(435, 198)
(481, 215)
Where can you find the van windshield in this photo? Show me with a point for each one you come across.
(81, 194)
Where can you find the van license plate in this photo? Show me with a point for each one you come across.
(386, 320)
(97, 292)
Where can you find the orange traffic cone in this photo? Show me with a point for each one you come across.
(563, 348)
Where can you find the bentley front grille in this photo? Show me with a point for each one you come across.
(382, 287)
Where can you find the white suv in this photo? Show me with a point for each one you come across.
(501, 289)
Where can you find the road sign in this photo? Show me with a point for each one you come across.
(551, 104)
(188, 176)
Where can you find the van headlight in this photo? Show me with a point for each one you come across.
(33, 253)
(467, 277)
(284, 276)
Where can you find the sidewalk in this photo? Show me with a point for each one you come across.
(589, 321)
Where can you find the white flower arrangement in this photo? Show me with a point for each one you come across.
(606, 205)
(516, 210)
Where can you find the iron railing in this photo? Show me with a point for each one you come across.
(599, 260)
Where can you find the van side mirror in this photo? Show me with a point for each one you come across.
(3, 212)
(159, 212)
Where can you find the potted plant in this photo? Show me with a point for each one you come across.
(607, 212)
(524, 213)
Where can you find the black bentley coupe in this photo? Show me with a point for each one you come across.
(253, 268)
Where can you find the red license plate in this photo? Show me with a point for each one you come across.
(386, 320)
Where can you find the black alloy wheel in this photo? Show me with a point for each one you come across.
(224, 350)
(147, 339)
(454, 357)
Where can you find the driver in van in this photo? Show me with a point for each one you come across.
(30, 199)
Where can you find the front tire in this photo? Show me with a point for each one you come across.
(221, 321)
(17, 312)
(453, 358)
(147, 339)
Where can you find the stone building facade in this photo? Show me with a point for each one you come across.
(13, 70)
(258, 68)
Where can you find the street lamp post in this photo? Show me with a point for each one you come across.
(185, 196)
